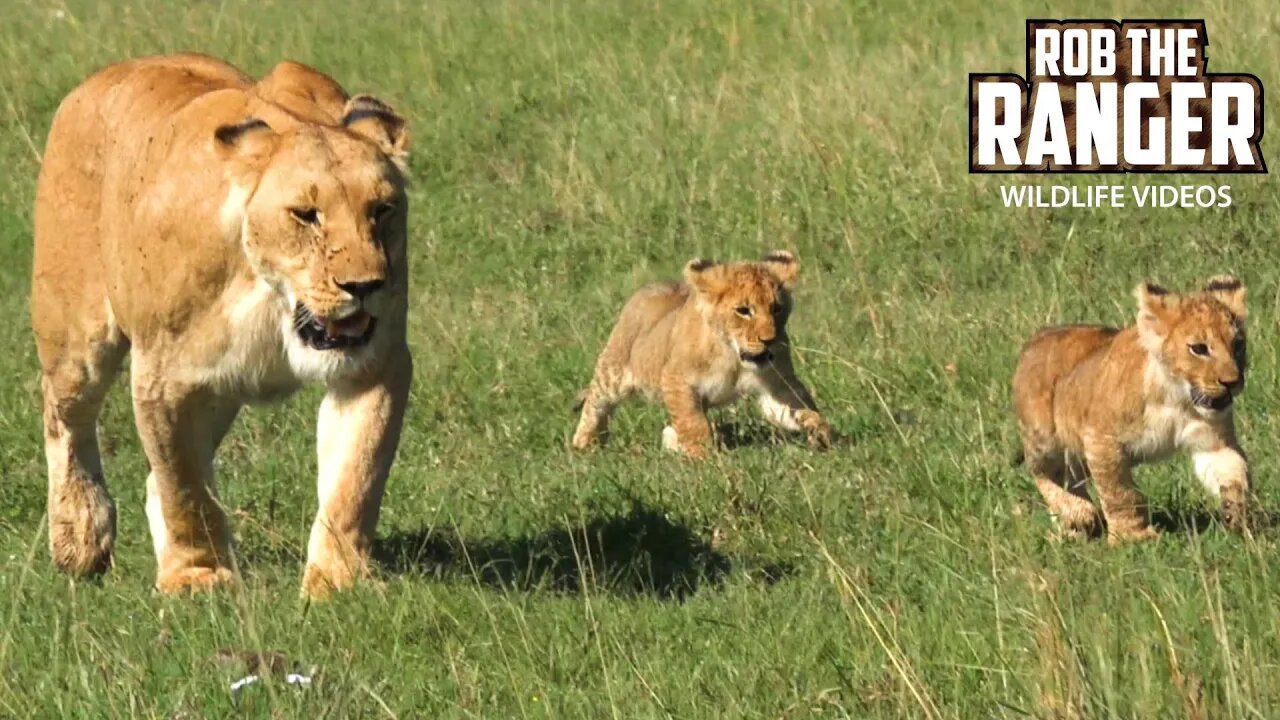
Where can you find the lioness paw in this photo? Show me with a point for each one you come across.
(82, 528)
(194, 579)
(319, 584)
(1120, 537)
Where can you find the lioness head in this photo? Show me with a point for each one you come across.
(320, 212)
(1198, 337)
(745, 303)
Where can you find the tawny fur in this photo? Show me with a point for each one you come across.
(701, 343)
(1093, 402)
(174, 222)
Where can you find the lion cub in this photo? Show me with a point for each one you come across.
(701, 343)
(1094, 401)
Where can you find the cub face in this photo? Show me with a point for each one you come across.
(1199, 338)
(747, 304)
(320, 213)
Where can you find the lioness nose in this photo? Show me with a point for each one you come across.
(360, 289)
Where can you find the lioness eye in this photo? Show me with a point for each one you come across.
(775, 308)
(305, 215)
(1199, 349)
(743, 311)
(381, 211)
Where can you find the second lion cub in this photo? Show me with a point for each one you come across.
(705, 342)
(1093, 402)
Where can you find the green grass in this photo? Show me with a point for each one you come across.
(566, 152)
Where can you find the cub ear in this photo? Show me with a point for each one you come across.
(783, 265)
(247, 143)
(697, 272)
(371, 118)
(1229, 291)
(1154, 304)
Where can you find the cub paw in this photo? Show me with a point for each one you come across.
(1079, 521)
(670, 440)
(696, 452)
(692, 450)
(1235, 514)
(817, 429)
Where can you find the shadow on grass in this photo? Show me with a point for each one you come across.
(1197, 520)
(1184, 520)
(732, 434)
(641, 552)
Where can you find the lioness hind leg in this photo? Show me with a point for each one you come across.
(80, 348)
(80, 360)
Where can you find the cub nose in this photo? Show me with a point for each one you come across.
(1232, 384)
(767, 341)
(360, 289)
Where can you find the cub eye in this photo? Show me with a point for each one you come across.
(775, 308)
(306, 215)
(381, 211)
(1199, 349)
(743, 311)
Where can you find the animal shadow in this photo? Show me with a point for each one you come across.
(1185, 520)
(640, 552)
(735, 433)
(1196, 520)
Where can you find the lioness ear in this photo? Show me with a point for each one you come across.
(697, 272)
(784, 265)
(1230, 292)
(368, 116)
(248, 142)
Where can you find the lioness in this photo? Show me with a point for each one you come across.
(1093, 402)
(235, 239)
(705, 342)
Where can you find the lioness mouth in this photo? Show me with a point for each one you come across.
(759, 358)
(349, 332)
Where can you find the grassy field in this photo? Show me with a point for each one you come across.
(566, 152)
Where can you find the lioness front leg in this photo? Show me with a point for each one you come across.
(786, 403)
(1123, 505)
(356, 439)
(688, 420)
(180, 430)
(1224, 472)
